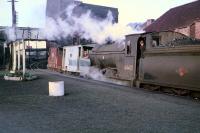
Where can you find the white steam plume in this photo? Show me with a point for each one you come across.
(10, 32)
(96, 74)
(85, 26)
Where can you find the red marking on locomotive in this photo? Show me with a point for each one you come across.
(182, 71)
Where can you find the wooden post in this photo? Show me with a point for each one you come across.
(14, 57)
(24, 58)
(18, 64)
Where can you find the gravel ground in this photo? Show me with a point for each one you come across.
(92, 107)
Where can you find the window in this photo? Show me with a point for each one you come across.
(79, 52)
(42, 53)
(128, 48)
(155, 41)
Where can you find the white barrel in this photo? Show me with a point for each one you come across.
(56, 88)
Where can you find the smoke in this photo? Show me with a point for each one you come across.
(85, 26)
(96, 74)
(10, 33)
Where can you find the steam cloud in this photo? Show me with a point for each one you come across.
(86, 26)
(96, 74)
(10, 32)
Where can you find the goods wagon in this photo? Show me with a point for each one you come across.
(76, 58)
(55, 58)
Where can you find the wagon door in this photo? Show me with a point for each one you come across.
(73, 58)
(65, 59)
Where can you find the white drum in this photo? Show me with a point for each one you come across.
(56, 88)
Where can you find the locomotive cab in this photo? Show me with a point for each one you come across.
(167, 59)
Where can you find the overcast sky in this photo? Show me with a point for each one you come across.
(32, 12)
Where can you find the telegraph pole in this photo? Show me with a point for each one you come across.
(14, 13)
(14, 23)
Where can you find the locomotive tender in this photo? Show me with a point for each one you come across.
(160, 58)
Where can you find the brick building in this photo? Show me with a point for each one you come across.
(184, 19)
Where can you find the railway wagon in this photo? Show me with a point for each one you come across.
(55, 58)
(165, 58)
(76, 58)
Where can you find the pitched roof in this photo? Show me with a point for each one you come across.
(177, 17)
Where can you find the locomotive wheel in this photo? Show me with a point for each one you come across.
(181, 92)
(151, 87)
(195, 95)
(172, 91)
(137, 84)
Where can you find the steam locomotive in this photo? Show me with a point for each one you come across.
(161, 59)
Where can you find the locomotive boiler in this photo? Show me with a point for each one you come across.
(165, 58)
(111, 59)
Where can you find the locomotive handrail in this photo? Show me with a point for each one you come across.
(107, 52)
